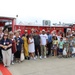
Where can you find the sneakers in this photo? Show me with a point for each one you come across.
(5, 65)
(19, 61)
(40, 57)
(45, 57)
(16, 61)
(72, 56)
(27, 58)
(12, 63)
(36, 57)
(31, 58)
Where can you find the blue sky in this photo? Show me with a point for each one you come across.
(32, 10)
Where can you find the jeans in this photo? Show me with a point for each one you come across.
(37, 49)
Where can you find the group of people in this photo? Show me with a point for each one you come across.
(35, 45)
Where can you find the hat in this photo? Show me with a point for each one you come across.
(11, 32)
(53, 34)
(19, 30)
(43, 30)
(26, 31)
(72, 31)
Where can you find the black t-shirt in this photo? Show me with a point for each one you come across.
(36, 39)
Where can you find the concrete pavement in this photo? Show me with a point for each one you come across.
(49, 66)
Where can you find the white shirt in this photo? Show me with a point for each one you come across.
(43, 39)
(58, 38)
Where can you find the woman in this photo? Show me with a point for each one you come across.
(6, 45)
(11, 34)
(25, 45)
(31, 46)
(19, 47)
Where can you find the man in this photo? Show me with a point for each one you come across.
(1, 35)
(44, 39)
(37, 44)
(49, 44)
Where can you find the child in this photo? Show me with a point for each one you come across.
(66, 46)
(73, 52)
(55, 45)
(70, 46)
(60, 45)
(73, 39)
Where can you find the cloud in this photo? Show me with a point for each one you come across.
(54, 10)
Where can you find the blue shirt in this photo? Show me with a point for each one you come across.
(19, 43)
(49, 38)
(6, 43)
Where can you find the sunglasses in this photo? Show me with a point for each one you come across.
(5, 35)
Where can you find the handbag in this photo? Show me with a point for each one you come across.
(73, 51)
(22, 56)
(64, 51)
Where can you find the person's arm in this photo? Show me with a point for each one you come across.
(9, 45)
(57, 43)
(46, 39)
(22, 49)
(40, 39)
(29, 41)
(14, 48)
(51, 38)
(63, 45)
(2, 46)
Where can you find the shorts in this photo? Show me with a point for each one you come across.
(71, 49)
(54, 47)
(60, 50)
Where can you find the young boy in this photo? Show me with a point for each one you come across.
(73, 52)
(66, 46)
(71, 42)
(61, 45)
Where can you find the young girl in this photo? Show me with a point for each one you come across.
(55, 45)
(61, 45)
(31, 46)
